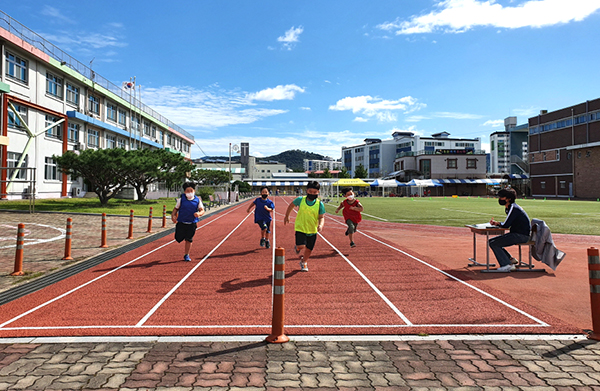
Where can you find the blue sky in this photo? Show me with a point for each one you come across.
(318, 75)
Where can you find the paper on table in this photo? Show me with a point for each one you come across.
(484, 226)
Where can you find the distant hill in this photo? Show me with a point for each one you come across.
(293, 159)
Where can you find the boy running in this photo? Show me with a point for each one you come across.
(262, 215)
(186, 213)
(352, 212)
(309, 221)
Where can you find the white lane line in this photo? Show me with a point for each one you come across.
(97, 278)
(541, 323)
(157, 306)
(383, 297)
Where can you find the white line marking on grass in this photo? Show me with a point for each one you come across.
(155, 308)
(98, 278)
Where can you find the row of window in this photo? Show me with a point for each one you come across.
(453, 163)
(580, 119)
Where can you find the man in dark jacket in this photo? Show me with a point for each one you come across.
(520, 229)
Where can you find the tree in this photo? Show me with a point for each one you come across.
(210, 177)
(102, 169)
(360, 172)
(326, 173)
(243, 187)
(344, 173)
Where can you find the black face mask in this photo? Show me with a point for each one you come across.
(311, 197)
(264, 196)
(502, 202)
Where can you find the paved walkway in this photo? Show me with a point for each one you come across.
(427, 364)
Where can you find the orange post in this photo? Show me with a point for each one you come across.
(150, 221)
(164, 216)
(103, 240)
(594, 269)
(19, 254)
(277, 335)
(130, 225)
(67, 256)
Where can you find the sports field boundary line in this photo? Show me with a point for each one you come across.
(47, 280)
(299, 338)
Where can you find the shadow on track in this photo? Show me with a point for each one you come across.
(231, 286)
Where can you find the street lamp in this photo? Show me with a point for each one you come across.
(236, 149)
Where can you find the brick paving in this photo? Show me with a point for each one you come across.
(449, 364)
(45, 242)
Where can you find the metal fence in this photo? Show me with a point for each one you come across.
(26, 176)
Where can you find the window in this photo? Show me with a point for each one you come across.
(153, 131)
(471, 163)
(563, 184)
(543, 185)
(54, 85)
(55, 131)
(111, 141)
(12, 159)
(121, 143)
(51, 171)
(93, 138)
(94, 104)
(111, 111)
(73, 94)
(135, 124)
(122, 117)
(13, 120)
(16, 67)
(73, 132)
(425, 168)
(161, 136)
(452, 163)
(169, 139)
(146, 129)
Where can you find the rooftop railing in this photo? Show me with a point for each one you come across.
(16, 28)
(438, 152)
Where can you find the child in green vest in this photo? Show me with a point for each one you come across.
(309, 221)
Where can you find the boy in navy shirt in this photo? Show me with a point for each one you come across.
(520, 229)
(186, 213)
(262, 215)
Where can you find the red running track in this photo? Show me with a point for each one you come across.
(375, 288)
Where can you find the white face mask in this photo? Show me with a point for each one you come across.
(350, 197)
(190, 196)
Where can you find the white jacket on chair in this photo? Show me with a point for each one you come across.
(544, 249)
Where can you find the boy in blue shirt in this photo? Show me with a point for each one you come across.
(262, 215)
(186, 214)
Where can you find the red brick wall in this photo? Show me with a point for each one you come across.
(587, 172)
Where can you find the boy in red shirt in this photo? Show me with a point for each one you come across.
(352, 212)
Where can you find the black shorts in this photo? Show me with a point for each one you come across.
(185, 232)
(351, 226)
(264, 224)
(303, 239)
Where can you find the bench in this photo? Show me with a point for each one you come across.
(528, 267)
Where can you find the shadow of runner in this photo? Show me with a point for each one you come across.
(230, 286)
(227, 351)
(569, 348)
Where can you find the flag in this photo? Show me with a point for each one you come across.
(128, 85)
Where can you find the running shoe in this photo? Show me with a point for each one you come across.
(506, 268)
(262, 242)
(514, 261)
(267, 244)
(347, 233)
(187, 258)
(303, 265)
(296, 249)
(352, 244)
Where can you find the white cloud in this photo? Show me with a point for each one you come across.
(210, 108)
(306, 108)
(55, 15)
(456, 16)
(494, 123)
(416, 118)
(360, 119)
(291, 37)
(412, 128)
(376, 107)
(526, 112)
(280, 92)
(447, 114)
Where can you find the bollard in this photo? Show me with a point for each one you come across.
(67, 256)
(277, 335)
(594, 269)
(103, 241)
(150, 221)
(19, 254)
(164, 216)
(130, 225)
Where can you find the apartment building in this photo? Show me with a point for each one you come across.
(508, 149)
(51, 103)
(375, 155)
(564, 152)
(320, 165)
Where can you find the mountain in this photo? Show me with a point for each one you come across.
(293, 159)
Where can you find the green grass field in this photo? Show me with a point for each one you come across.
(562, 216)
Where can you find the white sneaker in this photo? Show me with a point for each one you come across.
(506, 268)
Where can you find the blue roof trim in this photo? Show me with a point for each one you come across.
(112, 128)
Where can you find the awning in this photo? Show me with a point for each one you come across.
(280, 183)
(386, 183)
(423, 183)
(519, 176)
(468, 181)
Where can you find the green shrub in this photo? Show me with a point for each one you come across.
(204, 192)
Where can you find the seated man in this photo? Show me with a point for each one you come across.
(520, 229)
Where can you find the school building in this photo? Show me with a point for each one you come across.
(51, 103)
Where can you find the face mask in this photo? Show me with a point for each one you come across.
(264, 196)
(190, 196)
(311, 197)
(350, 197)
(502, 202)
